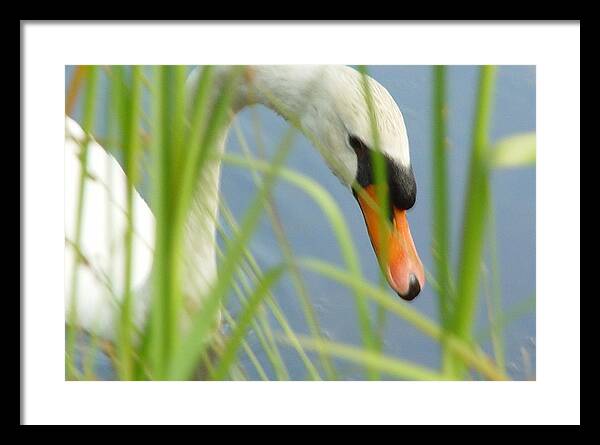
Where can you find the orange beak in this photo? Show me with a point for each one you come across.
(393, 245)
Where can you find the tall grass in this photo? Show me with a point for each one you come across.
(178, 132)
(475, 216)
(91, 74)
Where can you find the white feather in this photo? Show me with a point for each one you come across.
(101, 278)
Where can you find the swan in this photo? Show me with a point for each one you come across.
(331, 111)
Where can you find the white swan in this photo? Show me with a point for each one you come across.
(332, 112)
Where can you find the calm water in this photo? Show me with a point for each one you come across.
(309, 234)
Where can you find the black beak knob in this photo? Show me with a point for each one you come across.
(413, 288)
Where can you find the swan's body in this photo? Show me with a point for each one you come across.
(331, 110)
(101, 280)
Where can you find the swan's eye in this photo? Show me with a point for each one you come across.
(357, 144)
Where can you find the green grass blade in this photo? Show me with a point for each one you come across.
(88, 126)
(440, 212)
(495, 301)
(174, 120)
(509, 315)
(156, 344)
(373, 360)
(201, 120)
(382, 190)
(441, 218)
(475, 212)
(513, 151)
(244, 321)
(247, 349)
(171, 156)
(131, 154)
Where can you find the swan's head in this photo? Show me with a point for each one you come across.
(338, 120)
(329, 105)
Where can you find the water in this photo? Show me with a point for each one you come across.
(309, 234)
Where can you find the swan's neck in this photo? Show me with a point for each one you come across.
(200, 248)
(279, 88)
